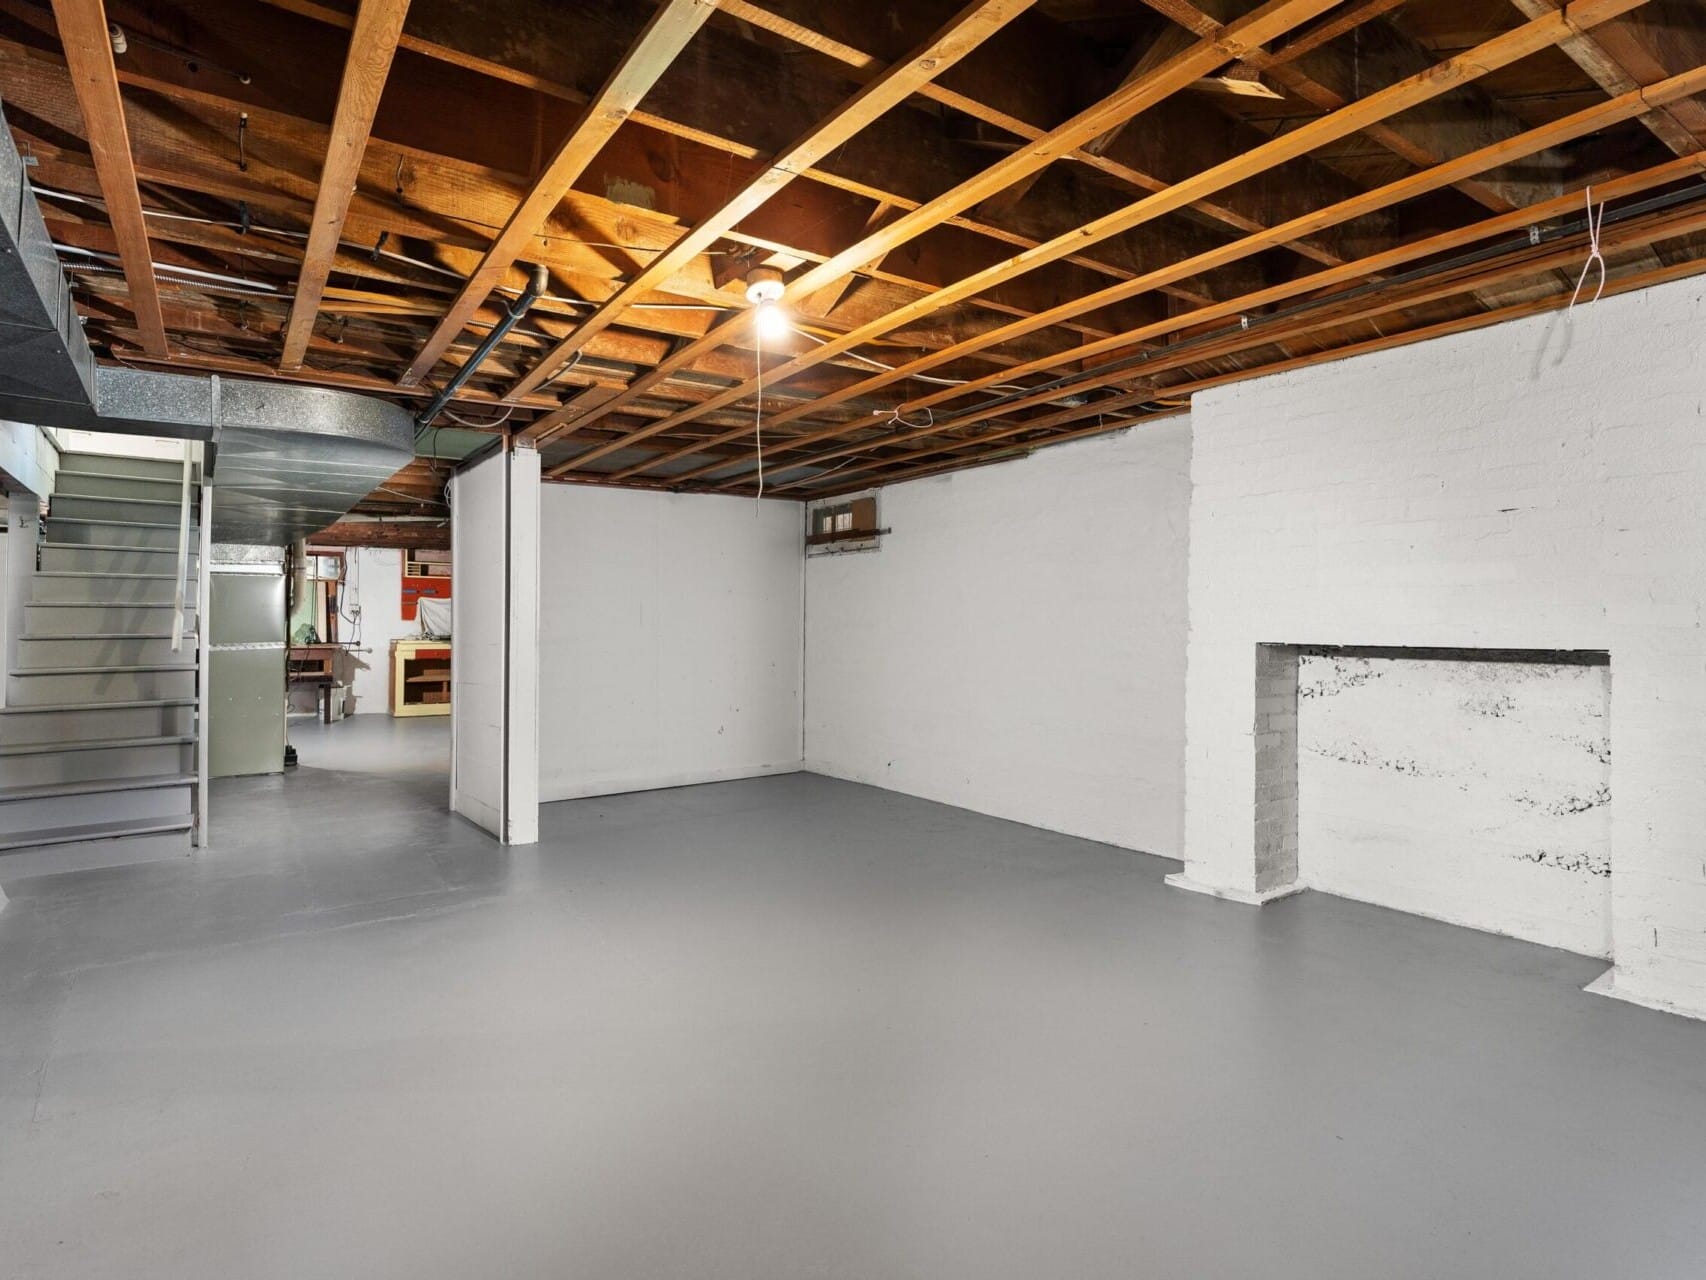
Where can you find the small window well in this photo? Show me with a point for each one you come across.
(844, 525)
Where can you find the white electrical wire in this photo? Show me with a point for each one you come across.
(895, 420)
(758, 413)
(476, 426)
(1595, 222)
(420, 263)
(354, 588)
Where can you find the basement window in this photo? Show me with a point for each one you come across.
(846, 524)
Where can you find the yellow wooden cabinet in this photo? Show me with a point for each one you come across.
(420, 677)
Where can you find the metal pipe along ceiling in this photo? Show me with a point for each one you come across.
(537, 282)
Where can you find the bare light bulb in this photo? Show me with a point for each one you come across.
(773, 322)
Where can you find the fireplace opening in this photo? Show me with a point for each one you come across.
(1470, 785)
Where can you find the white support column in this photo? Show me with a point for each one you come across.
(494, 769)
(203, 612)
(23, 523)
(1269, 870)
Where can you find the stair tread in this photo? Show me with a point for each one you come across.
(98, 706)
(99, 573)
(92, 744)
(49, 790)
(78, 455)
(112, 546)
(103, 671)
(123, 475)
(114, 635)
(95, 831)
(106, 497)
(125, 524)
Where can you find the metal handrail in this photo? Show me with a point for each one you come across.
(183, 549)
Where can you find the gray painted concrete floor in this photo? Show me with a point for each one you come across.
(795, 1028)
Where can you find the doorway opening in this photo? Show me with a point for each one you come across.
(368, 662)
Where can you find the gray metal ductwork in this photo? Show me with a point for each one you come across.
(286, 460)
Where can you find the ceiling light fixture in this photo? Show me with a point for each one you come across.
(764, 291)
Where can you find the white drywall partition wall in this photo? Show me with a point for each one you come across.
(1531, 486)
(494, 768)
(670, 627)
(1017, 643)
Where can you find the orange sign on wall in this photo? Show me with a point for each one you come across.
(415, 588)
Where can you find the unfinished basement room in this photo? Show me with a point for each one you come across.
(853, 639)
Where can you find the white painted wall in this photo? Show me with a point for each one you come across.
(373, 578)
(30, 462)
(1475, 792)
(73, 440)
(1017, 645)
(1533, 485)
(494, 769)
(28, 457)
(670, 629)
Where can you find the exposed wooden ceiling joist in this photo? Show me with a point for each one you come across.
(1502, 50)
(1625, 55)
(857, 479)
(1265, 23)
(966, 229)
(663, 39)
(965, 32)
(89, 59)
(373, 43)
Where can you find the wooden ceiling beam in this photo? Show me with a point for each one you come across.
(901, 159)
(94, 77)
(1329, 76)
(627, 345)
(844, 482)
(664, 38)
(1266, 23)
(1623, 56)
(1256, 339)
(1129, 100)
(963, 33)
(1578, 125)
(278, 151)
(1024, 82)
(373, 43)
(417, 535)
(1035, 314)
(1330, 28)
(1502, 50)
(1517, 221)
(1634, 235)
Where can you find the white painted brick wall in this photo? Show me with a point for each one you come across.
(1017, 646)
(1541, 484)
(1475, 792)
